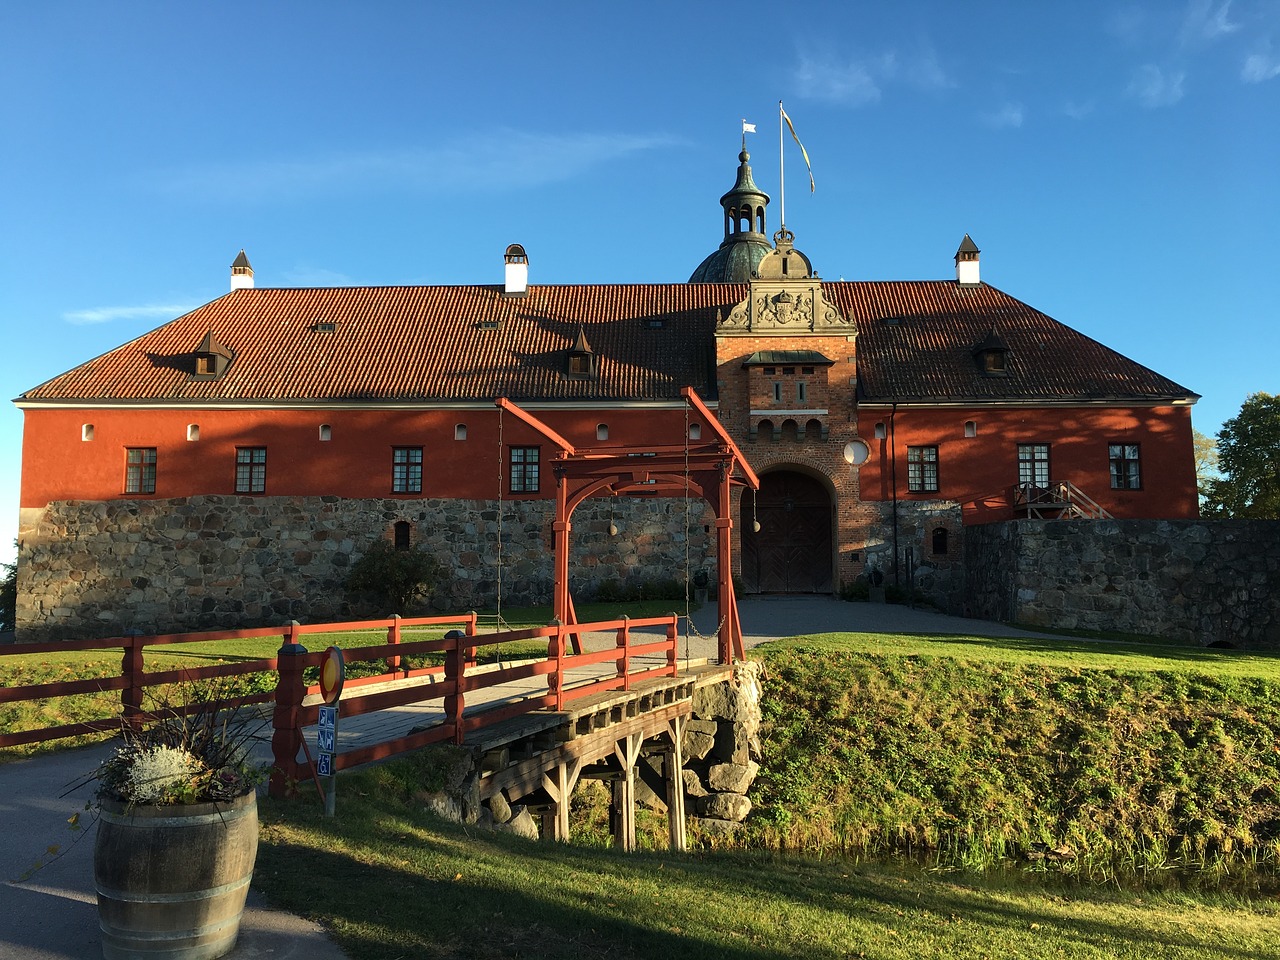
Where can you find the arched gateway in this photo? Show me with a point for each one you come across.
(791, 552)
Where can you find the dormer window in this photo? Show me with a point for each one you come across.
(582, 359)
(992, 356)
(212, 358)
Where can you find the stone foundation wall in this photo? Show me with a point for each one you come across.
(99, 569)
(1207, 581)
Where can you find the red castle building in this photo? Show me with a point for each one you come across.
(225, 468)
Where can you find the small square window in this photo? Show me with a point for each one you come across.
(524, 469)
(140, 470)
(1126, 467)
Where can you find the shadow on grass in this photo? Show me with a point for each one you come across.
(392, 884)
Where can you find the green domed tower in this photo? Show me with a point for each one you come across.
(745, 240)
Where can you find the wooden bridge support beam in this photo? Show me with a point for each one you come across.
(559, 784)
(673, 770)
(627, 752)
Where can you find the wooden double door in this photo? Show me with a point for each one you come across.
(792, 551)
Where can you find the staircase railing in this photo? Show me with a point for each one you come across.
(1057, 500)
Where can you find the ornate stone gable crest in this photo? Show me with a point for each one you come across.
(785, 299)
(785, 307)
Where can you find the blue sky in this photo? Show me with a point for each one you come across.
(1116, 163)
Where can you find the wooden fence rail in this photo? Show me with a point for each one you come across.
(569, 677)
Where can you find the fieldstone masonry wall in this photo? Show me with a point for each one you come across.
(212, 562)
(1207, 581)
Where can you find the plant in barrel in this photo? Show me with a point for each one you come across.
(177, 834)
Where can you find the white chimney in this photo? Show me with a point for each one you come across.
(241, 273)
(967, 263)
(516, 281)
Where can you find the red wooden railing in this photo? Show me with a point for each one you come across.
(455, 680)
(451, 683)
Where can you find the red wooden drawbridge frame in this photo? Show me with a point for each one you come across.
(709, 469)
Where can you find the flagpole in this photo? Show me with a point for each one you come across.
(782, 180)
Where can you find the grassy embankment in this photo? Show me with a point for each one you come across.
(1092, 758)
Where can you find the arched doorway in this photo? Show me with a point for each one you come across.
(792, 551)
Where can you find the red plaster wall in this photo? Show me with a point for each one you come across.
(356, 462)
(980, 472)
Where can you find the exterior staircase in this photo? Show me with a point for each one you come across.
(1059, 500)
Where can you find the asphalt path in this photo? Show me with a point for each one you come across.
(52, 914)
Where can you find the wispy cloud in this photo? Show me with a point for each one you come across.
(1205, 21)
(110, 314)
(1078, 111)
(859, 81)
(1009, 115)
(1260, 67)
(494, 161)
(1154, 87)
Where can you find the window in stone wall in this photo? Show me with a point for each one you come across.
(406, 469)
(140, 470)
(802, 392)
(777, 391)
(524, 469)
(1126, 469)
(251, 469)
(922, 469)
(939, 541)
(401, 532)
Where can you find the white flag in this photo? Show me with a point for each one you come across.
(748, 127)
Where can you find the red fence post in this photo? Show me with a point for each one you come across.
(624, 658)
(555, 651)
(672, 635)
(393, 636)
(132, 669)
(286, 737)
(455, 670)
(471, 632)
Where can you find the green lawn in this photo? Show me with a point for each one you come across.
(391, 881)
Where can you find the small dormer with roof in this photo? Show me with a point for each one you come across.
(241, 273)
(992, 355)
(212, 358)
(582, 359)
(967, 263)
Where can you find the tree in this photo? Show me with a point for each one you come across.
(9, 596)
(394, 580)
(1206, 455)
(1249, 461)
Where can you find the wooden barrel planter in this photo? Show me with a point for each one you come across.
(172, 880)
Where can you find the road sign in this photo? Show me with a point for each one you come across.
(324, 764)
(328, 718)
(324, 740)
(333, 672)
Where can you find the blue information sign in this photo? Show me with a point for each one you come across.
(324, 740)
(328, 718)
(324, 764)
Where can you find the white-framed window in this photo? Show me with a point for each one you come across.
(140, 470)
(524, 469)
(251, 469)
(1033, 464)
(1126, 466)
(922, 469)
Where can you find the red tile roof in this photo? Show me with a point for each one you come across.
(440, 343)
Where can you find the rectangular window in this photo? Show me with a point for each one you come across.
(777, 391)
(406, 470)
(524, 469)
(251, 469)
(802, 394)
(1126, 472)
(140, 470)
(1033, 465)
(922, 469)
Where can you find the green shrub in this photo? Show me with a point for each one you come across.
(391, 580)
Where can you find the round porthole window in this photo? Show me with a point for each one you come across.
(856, 452)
